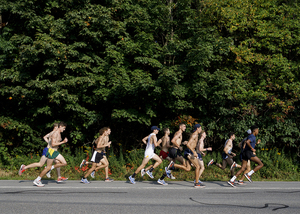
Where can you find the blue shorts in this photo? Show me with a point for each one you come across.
(224, 156)
(45, 152)
(200, 156)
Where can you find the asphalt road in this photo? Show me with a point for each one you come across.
(148, 197)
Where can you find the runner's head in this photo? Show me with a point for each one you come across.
(166, 131)
(197, 128)
(105, 130)
(203, 134)
(155, 129)
(55, 126)
(231, 135)
(254, 130)
(182, 127)
(62, 126)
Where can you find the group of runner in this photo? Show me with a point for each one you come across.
(193, 155)
(171, 150)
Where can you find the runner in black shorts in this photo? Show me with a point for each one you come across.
(249, 154)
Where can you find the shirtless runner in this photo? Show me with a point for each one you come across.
(52, 153)
(227, 155)
(84, 162)
(99, 153)
(200, 149)
(191, 156)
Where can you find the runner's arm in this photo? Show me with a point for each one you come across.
(54, 141)
(145, 139)
(174, 140)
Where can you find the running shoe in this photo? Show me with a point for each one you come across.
(131, 179)
(93, 174)
(233, 165)
(21, 170)
(48, 174)
(172, 177)
(38, 183)
(168, 172)
(241, 182)
(170, 166)
(83, 162)
(210, 162)
(143, 172)
(61, 179)
(150, 174)
(197, 185)
(248, 177)
(85, 181)
(108, 179)
(162, 182)
(200, 182)
(231, 183)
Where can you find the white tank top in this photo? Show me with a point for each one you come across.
(150, 147)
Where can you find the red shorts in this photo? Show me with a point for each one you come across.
(163, 154)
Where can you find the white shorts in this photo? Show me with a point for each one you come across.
(149, 155)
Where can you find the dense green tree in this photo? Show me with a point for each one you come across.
(131, 64)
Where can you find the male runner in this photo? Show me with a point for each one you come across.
(227, 155)
(248, 154)
(84, 162)
(98, 155)
(43, 159)
(242, 145)
(191, 155)
(149, 154)
(52, 153)
(200, 149)
(174, 153)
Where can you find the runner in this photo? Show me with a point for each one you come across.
(249, 154)
(99, 153)
(248, 168)
(200, 149)
(227, 156)
(52, 153)
(174, 153)
(149, 154)
(191, 156)
(43, 159)
(84, 162)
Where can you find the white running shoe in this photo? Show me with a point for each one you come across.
(48, 174)
(233, 166)
(93, 174)
(85, 181)
(143, 172)
(131, 179)
(21, 170)
(210, 162)
(38, 183)
(162, 182)
(83, 162)
(172, 177)
(150, 174)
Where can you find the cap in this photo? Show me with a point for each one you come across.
(154, 128)
(249, 131)
(196, 127)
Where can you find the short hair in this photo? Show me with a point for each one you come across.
(230, 134)
(254, 127)
(61, 123)
(181, 124)
(201, 133)
(165, 130)
(101, 131)
(55, 124)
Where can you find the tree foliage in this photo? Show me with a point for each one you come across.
(131, 64)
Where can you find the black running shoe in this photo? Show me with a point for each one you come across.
(248, 177)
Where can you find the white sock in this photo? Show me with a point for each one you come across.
(52, 167)
(250, 173)
(38, 178)
(233, 179)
